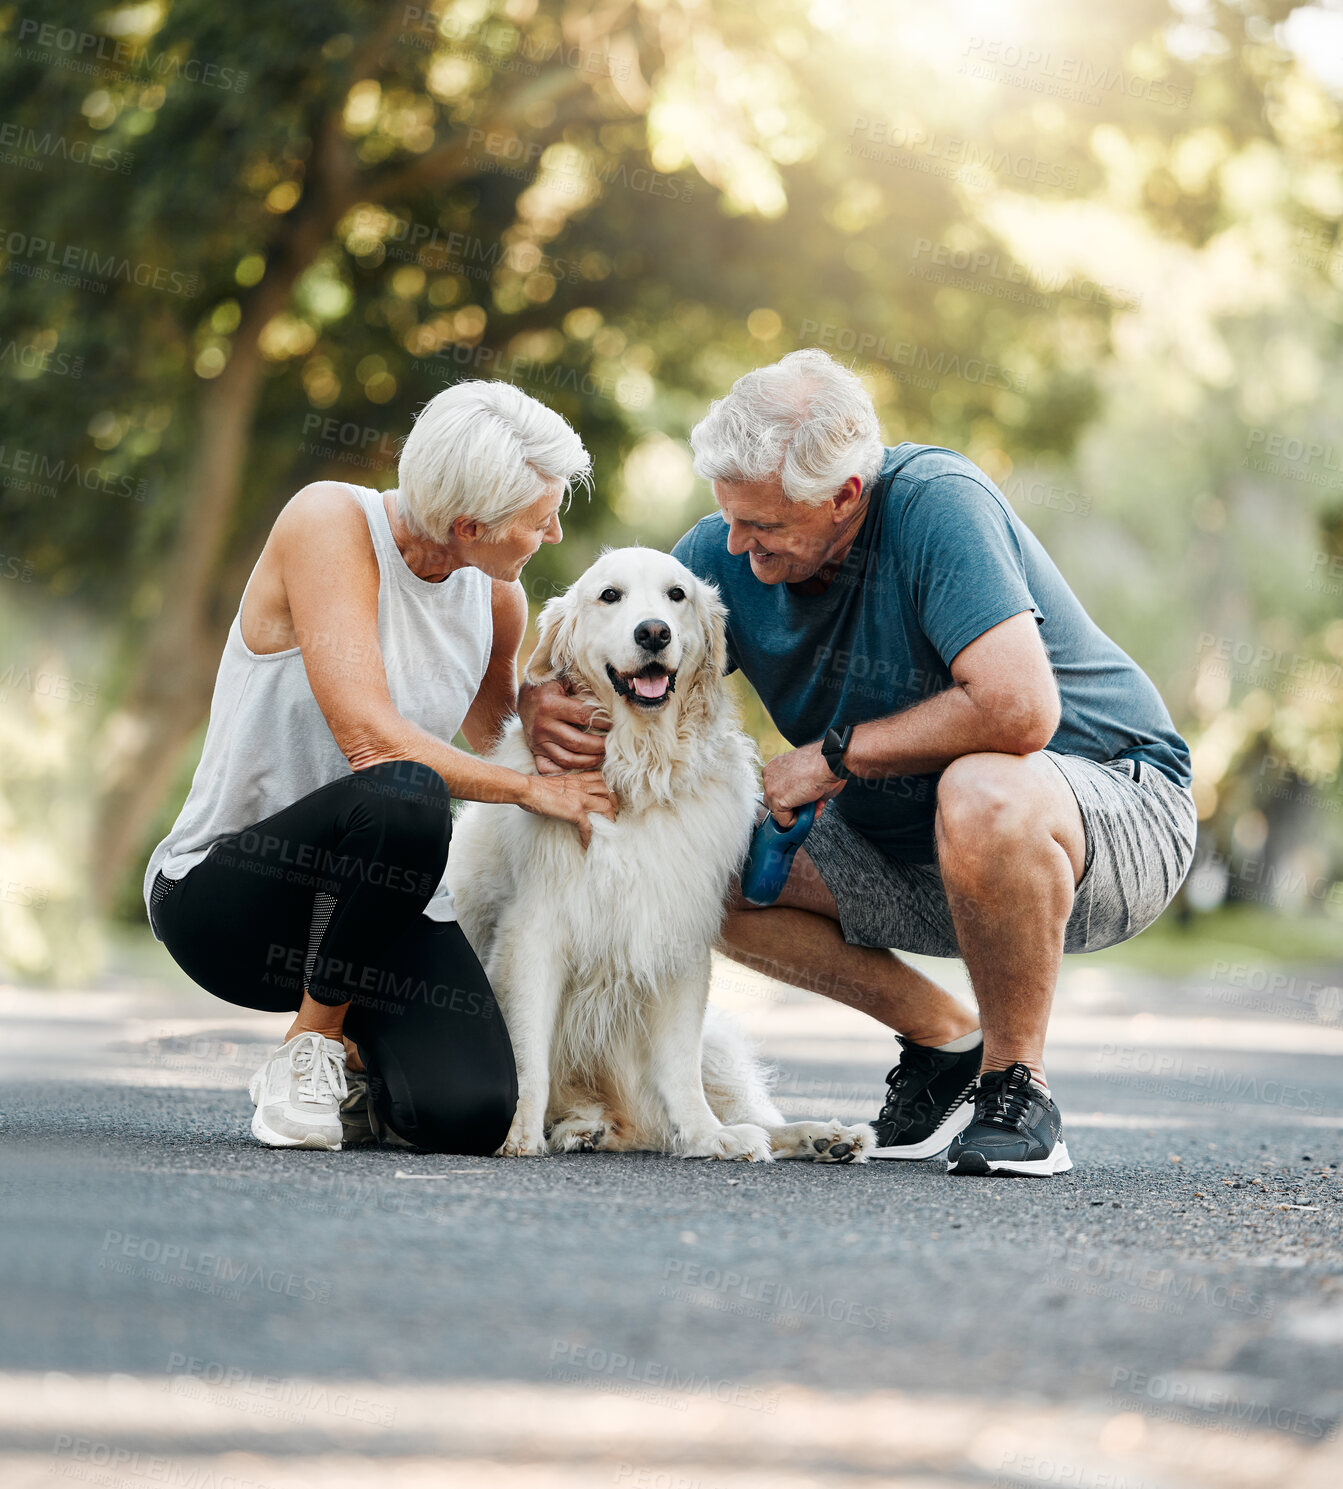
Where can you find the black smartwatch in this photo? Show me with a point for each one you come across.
(834, 744)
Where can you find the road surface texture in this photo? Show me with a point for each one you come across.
(183, 1307)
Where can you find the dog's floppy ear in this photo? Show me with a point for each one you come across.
(706, 686)
(713, 617)
(554, 654)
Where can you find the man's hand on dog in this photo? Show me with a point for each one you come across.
(795, 778)
(562, 732)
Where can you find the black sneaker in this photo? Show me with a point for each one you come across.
(927, 1101)
(1016, 1129)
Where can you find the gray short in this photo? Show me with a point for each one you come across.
(1140, 829)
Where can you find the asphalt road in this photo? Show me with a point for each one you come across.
(183, 1306)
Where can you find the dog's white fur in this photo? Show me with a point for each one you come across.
(600, 959)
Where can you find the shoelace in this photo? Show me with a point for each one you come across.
(320, 1071)
(907, 1078)
(1003, 1096)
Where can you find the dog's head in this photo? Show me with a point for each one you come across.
(640, 632)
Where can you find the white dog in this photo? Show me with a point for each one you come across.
(600, 959)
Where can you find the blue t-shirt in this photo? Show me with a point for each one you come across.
(940, 559)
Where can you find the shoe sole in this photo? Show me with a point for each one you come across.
(952, 1125)
(272, 1139)
(973, 1162)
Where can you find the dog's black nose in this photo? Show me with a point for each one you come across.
(652, 635)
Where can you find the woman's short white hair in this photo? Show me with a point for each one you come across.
(487, 451)
(805, 421)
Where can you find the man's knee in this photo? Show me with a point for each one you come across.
(985, 802)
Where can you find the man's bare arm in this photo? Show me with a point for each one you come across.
(1003, 700)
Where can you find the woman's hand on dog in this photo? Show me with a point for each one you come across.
(562, 732)
(570, 798)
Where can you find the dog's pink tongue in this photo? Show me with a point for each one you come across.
(650, 687)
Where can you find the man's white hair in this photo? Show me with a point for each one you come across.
(487, 451)
(805, 421)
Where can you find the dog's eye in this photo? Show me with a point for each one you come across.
(677, 594)
(609, 596)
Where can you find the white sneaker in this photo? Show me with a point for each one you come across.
(297, 1094)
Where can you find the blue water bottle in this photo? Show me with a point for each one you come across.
(770, 855)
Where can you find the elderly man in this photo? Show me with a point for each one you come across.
(1004, 783)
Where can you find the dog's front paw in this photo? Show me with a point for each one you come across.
(525, 1139)
(840, 1144)
(824, 1142)
(744, 1141)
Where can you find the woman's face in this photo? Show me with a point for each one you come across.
(503, 556)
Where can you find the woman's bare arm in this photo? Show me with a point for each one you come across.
(329, 573)
(497, 699)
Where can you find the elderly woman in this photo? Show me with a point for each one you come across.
(304, 873)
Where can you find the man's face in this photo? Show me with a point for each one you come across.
(787, 541)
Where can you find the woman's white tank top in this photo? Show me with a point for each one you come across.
(268, 744)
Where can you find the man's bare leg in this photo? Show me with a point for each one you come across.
(1011, 848)
(799, 941)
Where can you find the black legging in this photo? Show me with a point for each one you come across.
(327, 894)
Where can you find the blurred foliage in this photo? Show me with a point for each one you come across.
(1094, 247)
